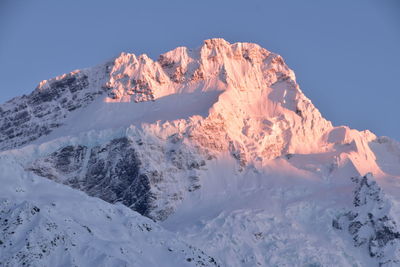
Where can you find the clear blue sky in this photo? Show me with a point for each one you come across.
(345, 53)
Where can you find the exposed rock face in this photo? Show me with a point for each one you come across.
(24, 119)
(260, 112)
(110, 172)
(116, 172)
(274, 102)
(370, 224)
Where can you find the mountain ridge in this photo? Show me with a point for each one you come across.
(217, 142)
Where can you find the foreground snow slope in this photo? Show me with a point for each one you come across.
(220, 146)
(47, 224)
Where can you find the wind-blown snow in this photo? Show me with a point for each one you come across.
(229, 154)
(47, 224)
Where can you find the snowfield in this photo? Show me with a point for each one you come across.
(206, 157)
(47, 224)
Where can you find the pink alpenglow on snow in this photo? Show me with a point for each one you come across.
(217, 145)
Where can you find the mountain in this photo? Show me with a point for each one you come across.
(217, 146)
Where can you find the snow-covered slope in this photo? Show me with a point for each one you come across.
(46, 224)
(221, 147)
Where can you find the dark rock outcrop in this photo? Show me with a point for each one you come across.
(369, 222)
(111, 172)
(25, 119)
(150, 179)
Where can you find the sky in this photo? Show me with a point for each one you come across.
(346, 54)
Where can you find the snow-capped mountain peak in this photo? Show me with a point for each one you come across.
(217, 143)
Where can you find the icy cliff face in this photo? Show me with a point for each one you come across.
(370, 223)
(220, 146)
(45, 224)
(260, 102)
(120, 171)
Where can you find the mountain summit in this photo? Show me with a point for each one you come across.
(217, 145)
